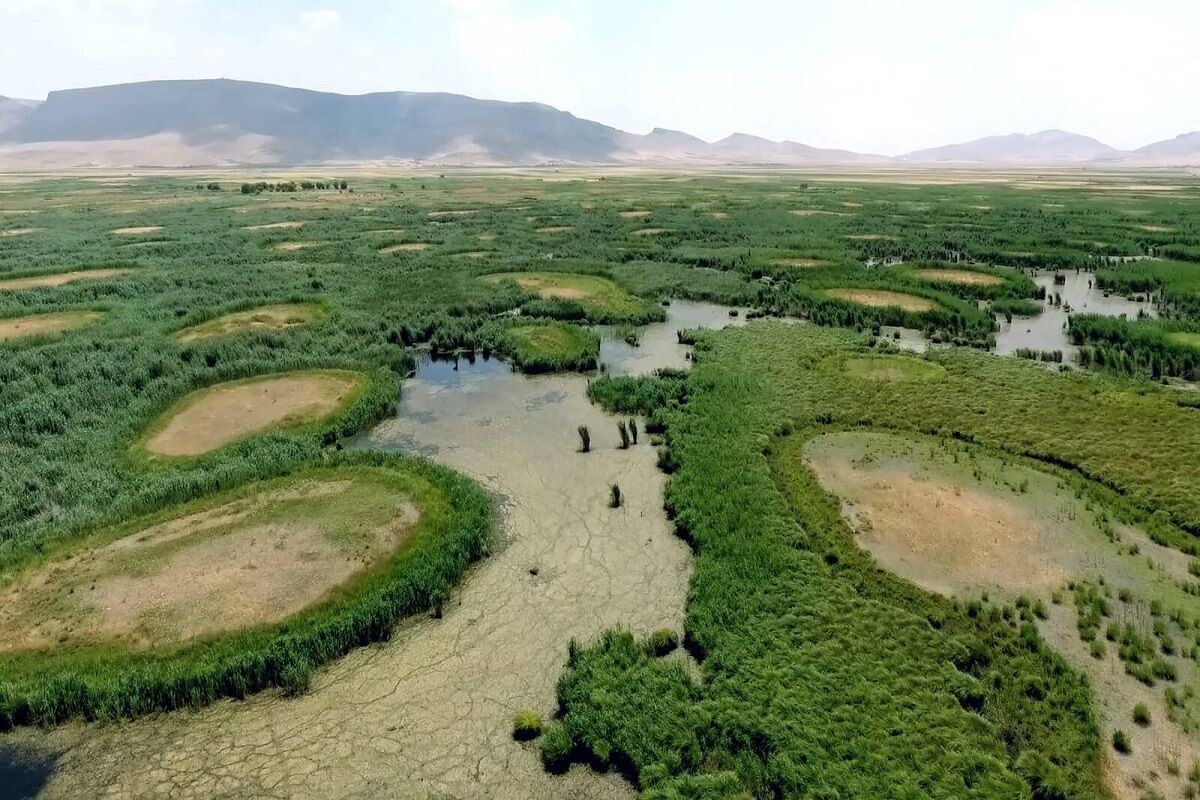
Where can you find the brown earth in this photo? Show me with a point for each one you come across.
(273, 225)
(800, 263)
(137, 231)
(650, 231)
(39, 324)
(214, 417)
(964, 277)
(878, 298)
(58, 279)
(278, 317)
(224, 568)
(407, 247)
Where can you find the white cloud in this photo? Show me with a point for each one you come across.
(322, 19)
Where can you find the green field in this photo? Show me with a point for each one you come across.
(551, 347)
(820, 656)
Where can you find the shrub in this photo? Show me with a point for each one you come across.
(614, 496)
(585, 438)
(662, 641)
(1120, 741)
(556, 748)
(527, 724)
(1141, 714)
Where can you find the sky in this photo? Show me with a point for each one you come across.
(874, 76)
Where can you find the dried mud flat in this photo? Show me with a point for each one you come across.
(222, 414)
(41, 324)
(245, 562)
(964, 277)
(429, 713)
(878, 298)
(263, 318)
(407, 247)
(58, 279)
(137, 231)
(800, 263)
(270, 226)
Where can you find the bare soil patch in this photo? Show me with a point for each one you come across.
(42, 324)
(254, 560)
(871, 237)
(556, 229)
(1157, 228)
(880, 298)
(136, 231)
(277, 317)
(473, 254)
(452, 214)
(18, 232)
(945, 534)
(288, 247)
(270, 226)
(58, 279)
(817, 212)
(407, 247)
(800, 263)
(719, 214)
(964, 277)
(219, 415)
(650, 231)
(637, 214)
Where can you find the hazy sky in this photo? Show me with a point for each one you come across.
(871, 75)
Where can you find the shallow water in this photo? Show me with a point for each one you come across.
(430, 712)
(1048, 330)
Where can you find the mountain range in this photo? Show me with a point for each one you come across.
(225, 122)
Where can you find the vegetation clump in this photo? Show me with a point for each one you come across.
(550, 347)
(527, 724)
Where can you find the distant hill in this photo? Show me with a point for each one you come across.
(213, 122)
(1045, 147)
(1183, 150)
(13, 111)
(234, 123)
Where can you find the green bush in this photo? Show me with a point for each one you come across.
(527, 724)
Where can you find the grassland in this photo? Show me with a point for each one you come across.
(822, 673)
(551, 347)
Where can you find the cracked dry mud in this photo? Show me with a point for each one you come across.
(429, 713)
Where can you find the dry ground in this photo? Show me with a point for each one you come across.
(219, 415)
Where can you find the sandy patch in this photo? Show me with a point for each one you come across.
(255, 560)
(452, 214)
(136, 231)
(473, 254)
(964, 277)
(650, 231)
(407, 247)
(18, 232)
(871, 237)
(289, 247)
(943, 534)
(58, 279)
(800, 263)
(214, 417)
(270, 226)
(41, 324)
(719, 214)
(555, 229)
(276, 317)
(817, 212)
(637, 214)
(1157, 228)
(878, 298)
(486, 237)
